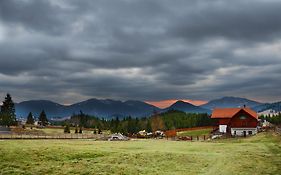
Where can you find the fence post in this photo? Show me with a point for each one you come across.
(197, 137)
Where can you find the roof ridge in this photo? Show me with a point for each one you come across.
(230, 112)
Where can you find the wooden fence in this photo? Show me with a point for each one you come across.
(173, 133)
(53, 136)
(193, 138)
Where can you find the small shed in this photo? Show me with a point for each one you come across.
(117, 137)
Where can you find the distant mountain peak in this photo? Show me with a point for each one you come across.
(187, 107)
(180, 102)
(229, 101)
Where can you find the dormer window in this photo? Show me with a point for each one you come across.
(243, 117)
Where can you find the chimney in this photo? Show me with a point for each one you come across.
(244, 106)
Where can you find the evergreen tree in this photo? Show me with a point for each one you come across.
(7, 113)
(30, 119)
(43, 121)
(148, 126)
(131, 125)
(137, 125)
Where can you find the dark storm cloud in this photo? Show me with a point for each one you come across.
(68, 50)
(33, 15)
(239, 20)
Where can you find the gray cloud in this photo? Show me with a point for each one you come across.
(239, 20)
(71, 50)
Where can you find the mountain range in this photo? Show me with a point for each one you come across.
(102, 108)
(108, 108)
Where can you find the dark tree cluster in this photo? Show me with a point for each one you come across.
(66, 129)
(177, 119)
(42, 119)
(86, 121)
(275, 119)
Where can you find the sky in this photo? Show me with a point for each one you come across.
(166, 103)
(151, 50)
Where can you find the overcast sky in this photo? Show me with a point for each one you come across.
(72, 50)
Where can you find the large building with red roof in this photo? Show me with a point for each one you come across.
(236, 121)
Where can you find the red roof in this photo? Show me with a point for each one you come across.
(230, 112)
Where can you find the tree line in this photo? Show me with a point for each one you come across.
(172, 119)
(42, 119)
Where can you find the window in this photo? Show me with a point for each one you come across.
(243, 117)
(250, 132)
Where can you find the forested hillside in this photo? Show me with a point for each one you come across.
(165, 121)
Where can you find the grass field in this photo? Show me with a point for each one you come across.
(61, 131)
(259, 154)
(199, 132)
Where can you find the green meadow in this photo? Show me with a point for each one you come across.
(194, 133)
(259, 154)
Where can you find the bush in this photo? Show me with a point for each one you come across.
(66, 129)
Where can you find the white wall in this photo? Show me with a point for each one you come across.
(222, 128)
(240, 131)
